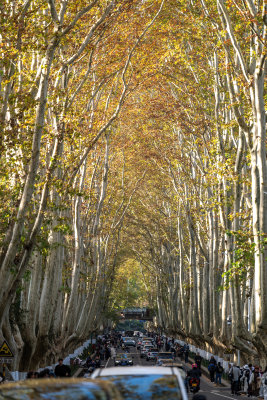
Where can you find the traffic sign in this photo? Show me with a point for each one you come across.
(5, 351)
(6, 360)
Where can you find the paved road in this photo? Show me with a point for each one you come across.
(210, 390)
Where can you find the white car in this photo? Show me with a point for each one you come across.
(146, 383)
(145, 349)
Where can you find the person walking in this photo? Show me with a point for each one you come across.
(235, 373)
(62, 370)
(186, 353)
(218, 372)
(255, 381)
(107, 351)
(245, 379)
(211, 368)
(198, 360)
(113, 353)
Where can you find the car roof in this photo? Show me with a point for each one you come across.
(140, 370)
(46, 385)
(174, 364)
(135, 370)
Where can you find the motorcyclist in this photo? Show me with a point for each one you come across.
(193, 375)
(195, 372)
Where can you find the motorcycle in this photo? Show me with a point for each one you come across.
(194, 385)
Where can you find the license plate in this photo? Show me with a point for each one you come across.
(194, 384)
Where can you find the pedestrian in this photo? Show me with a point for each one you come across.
(186, 354)
(113, 352)
(219, 372)
(264, 383)
(180, 352)
(198, 360)
(30, 375)
(62, 370)
(212, 360)
(245, 379)
(45, 373)
(235, 373)
(107, 352)
(249, 384)
(211, 368)
(255, 381)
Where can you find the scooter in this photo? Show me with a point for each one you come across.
(194, 385)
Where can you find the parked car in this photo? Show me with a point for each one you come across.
(145, 383)
(60, 389)
(123, 359)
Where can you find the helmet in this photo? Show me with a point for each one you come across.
(194, 365)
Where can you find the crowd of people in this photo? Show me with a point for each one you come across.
(249, 380)
(61, 371)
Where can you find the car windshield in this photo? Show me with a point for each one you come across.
(147, 387)
(83, 391)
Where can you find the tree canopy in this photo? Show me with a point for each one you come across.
(133, 171)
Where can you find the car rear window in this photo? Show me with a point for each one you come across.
(147, 387)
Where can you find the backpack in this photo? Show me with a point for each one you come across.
(220, 369)
(211, 367)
